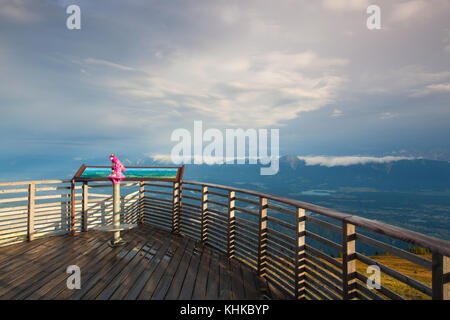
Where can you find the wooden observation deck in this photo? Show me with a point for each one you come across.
(198, 240)
(155, 264)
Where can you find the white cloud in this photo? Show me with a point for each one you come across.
(18, 11)
(304, 60)
(230, 64)
(431, 89)
(108, 64)
(346, 5)
(440, 87)
(165, 158)
(326, 161)
(387, 115)
(161, 158)
(409, 80)
(330, 161)
(409, 10)
(248, 90)
(336, 113)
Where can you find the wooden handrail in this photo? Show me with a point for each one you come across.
(314, 281)
(277, 248)
(415, 238)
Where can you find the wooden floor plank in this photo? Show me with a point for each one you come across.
(154, 264)
(156, 276)
(237, 285)
(17, 261)
(249, 280)
(110, 274)
(59, 283)
(212, 289)
(147, 252)
(101, 273)
(177, 281)
(263, 288)
(9, 253)
(148, 271)
(202, 275)
(122, 276)
(27, 273)
(163, 285)
(225, 292)
(93, 263)
(116, 279)
(58, 268)
(191, 275)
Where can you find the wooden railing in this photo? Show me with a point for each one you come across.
(35, 209)
(304, 250)
(283, 240)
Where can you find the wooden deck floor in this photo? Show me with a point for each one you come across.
(155, 264)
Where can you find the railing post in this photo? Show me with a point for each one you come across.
(64, 209)
(231, 223)
(440, 277)
(348, 260)
(175, 207)
(123, 214)
(204, 213)
(72, 207)
(180, 203)
(141, 202)
(85, 206)
(262, 241)
(300, 253)
(31, 200)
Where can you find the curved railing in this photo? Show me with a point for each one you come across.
(284, 241)
(303, 250)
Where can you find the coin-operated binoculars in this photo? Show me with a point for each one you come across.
(116, 176)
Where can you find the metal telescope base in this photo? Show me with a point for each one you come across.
(117, 241)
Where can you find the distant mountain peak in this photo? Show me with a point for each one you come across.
(292, 160)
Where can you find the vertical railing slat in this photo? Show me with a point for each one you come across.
(31, 200)
(180, 204)
(141, 202)
(348, 260)
(440, 277)
(262, 238)
(72, 207)
(85, 206)
(231, 223)
(204, 219)
(123, 214)
(300, 253)
(176, 208)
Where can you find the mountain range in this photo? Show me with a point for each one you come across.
(413, 193)
(294, 174)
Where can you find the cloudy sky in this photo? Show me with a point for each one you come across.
(139, 69)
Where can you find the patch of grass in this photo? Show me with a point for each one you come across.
(405, 267)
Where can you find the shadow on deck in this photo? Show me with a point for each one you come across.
(155, 264)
